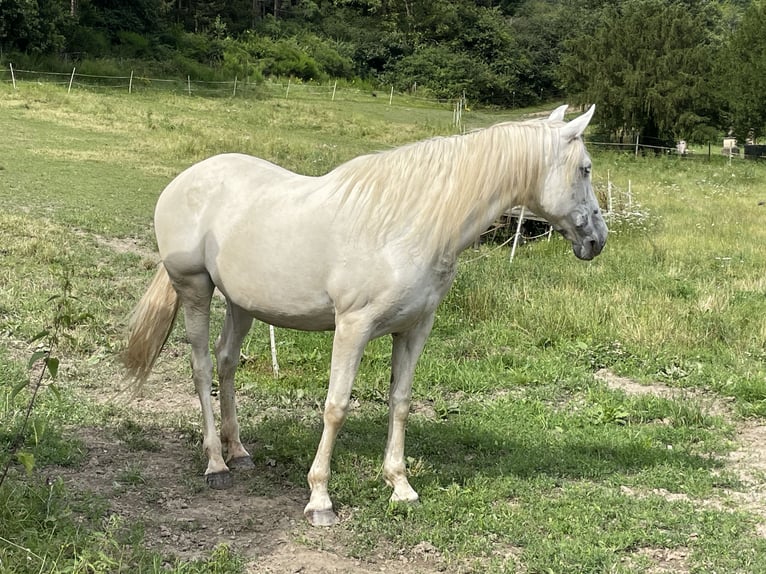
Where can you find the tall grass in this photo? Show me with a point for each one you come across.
(518, 452)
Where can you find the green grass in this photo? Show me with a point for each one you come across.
(523, 459)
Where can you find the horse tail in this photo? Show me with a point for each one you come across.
(149, 327)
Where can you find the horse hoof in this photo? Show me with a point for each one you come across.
(219, 480)
(321, 517)
(241, 463)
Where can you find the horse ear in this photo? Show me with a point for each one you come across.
(576, 127)
(557, 115)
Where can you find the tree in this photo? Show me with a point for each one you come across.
(33, 26)
(646, 66)
(743, 69)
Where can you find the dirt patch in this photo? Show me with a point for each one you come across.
(260, 517)
(160, 489)
(294, 559)
(633, 388)
(665, 560)
(711, 404)
(747, 461)
(122, 245)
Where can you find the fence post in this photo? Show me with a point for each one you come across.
(188, 84)
(517, 235)
(391, 97)
(130, 83)
(234, 95)
(637, 136)
(13, 76)
(287, 93)
(335, 87)
(273, 344)
(608, 192)
(71, 79)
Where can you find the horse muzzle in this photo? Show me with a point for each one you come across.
(590, 246)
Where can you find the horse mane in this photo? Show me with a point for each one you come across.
(424, 190)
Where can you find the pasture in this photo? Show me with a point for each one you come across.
(568, 416)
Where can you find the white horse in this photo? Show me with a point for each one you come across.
(368, 249)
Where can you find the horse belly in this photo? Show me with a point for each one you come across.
(283, 306)
(280, 283)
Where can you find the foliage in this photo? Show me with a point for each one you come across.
(34, 26)
(65, 317)
(307, 57)
(646, 66)
(743, 73)
(652, 66)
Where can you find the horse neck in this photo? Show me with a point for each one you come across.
(439, 195)
(502, 167)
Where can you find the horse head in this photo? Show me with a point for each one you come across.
(567, 200)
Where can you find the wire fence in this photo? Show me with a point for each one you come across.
(236, 87)
(332, 91)
(639, 148)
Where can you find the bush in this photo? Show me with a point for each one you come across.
(133, 45)
(446, 74)
(329, 57)
(263, 55)
(88, 40)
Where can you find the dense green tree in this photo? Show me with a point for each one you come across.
(33, 26)
(647, 66)
(743, 69)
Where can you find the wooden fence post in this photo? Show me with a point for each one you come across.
(13, 76)
(608, 192)
(517, 235)
(71, 79)
(273, 343)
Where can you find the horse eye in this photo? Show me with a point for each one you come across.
(585, 170)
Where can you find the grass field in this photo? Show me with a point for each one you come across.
(569, 417)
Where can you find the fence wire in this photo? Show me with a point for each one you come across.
(236, 87)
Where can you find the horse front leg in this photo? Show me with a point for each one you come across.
(349, 341)
(407, 348)
(236, 326)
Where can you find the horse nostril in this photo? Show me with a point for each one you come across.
(596, 246)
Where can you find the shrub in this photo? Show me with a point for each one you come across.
(282, 57)
(333, 58)
(88, 40)
(133, 45)
(446, 73)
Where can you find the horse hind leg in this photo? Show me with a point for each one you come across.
(196, 291)
(227, 350)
